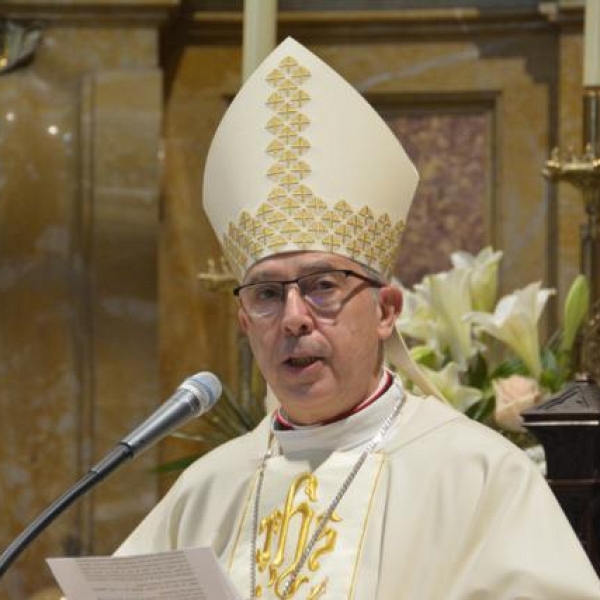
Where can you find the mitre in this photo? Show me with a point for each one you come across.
(300, 161)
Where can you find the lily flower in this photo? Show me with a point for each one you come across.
(419, 321)
(483, 278)
(447, 380)
(515, 322)
(433, 314)
(450, 300)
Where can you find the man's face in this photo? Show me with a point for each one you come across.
(320, 366)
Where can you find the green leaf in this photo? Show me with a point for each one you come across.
(551, 380)
(513, 366)
(478, 371)
(553, 373)
(549, 361)
(482, 410)
(424, 355)
(576, 308)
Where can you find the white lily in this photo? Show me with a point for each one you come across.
(450, 301)
(433, 314)
(515, 322)
(418, 319)
(483, 279)
(448, 382)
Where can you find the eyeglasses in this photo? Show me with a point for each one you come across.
(325, 291)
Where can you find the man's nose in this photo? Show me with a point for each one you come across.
(296, 316)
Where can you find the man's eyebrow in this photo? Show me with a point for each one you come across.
(315, 267)
(271, 275)
(261, 276)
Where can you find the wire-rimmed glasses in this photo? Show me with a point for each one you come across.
(324, 291)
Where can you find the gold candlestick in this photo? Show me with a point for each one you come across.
(219, 279)
(583, 171)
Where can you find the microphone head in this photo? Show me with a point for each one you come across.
(206, 387)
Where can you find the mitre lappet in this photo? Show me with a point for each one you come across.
(302, 162)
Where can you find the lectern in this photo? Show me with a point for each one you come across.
(568, 427)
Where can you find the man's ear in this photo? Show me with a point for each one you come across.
(390, 304)
(243, 320)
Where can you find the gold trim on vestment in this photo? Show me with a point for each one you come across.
(274, 529)
(282, 558)
(359, 553)
(241, 522)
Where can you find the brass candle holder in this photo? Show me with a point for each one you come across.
(583, 172)
(217, 279)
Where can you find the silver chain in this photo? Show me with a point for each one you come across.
(255, 517)
(375, 441)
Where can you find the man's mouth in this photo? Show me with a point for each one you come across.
(301, 361)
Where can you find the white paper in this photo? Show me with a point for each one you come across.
(193, 574)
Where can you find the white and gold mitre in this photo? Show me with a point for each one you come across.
(301, 161)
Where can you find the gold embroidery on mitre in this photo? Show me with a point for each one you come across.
(293, 216)
(283, 537)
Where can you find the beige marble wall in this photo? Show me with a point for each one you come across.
(79, 202)
(38, 382)
(197, 326)
(122, 126)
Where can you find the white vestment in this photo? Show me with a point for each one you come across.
(443, 509)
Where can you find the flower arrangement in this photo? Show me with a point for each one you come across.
(482, 353)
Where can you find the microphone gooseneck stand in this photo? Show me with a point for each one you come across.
(121, 453)
(195, 396)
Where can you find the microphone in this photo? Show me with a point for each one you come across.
(195, 396)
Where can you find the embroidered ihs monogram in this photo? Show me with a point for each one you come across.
(283, 537)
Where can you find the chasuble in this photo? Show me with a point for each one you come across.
(443, 508)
